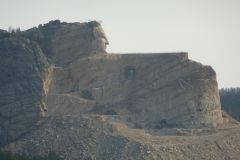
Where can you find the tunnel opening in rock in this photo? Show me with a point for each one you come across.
(130, 73)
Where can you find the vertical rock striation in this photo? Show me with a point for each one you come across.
(22, 73)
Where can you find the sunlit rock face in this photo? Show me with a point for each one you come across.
(149, 90)
(61, 91)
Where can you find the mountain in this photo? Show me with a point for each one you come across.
(62, 93)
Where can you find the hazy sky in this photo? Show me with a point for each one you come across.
(209, 30)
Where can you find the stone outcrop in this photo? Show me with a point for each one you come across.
(23, 72)
(61, 91)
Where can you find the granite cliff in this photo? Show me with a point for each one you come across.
(61, 91)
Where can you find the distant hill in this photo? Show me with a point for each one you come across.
(230, 100)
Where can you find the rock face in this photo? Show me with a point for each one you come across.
(22, 87)
(61, 91)
(149, 89)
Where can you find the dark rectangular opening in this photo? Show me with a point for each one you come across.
(130, 73)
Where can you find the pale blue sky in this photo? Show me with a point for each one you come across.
(208, 29)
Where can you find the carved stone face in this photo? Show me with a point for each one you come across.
(100, 43)
(98, 33)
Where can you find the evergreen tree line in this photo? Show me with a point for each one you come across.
(14, 30)
(230, 101)
(230, 91)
